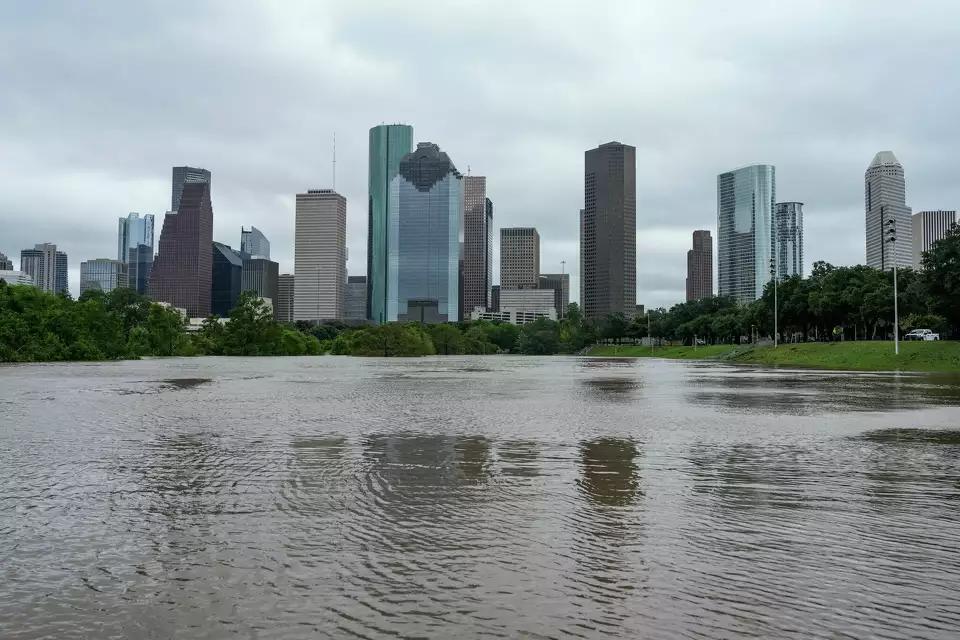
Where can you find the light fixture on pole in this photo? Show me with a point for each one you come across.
(891, 237)
(773, 274)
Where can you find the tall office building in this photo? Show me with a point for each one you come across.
(320, 255)
(6, 264)
(885, 201)
(928, 228)
(47, 267)
(745, 203)
(225, 280)
(355, 300)
(284, 303)
(388, 144)
(519, 258)
(788, 231)
(182, 176)
(253, 243)
(700, 266)
(423, 245)
(262, 278)
(135, 249)
(183, 268)
(608, 246)
(477, 217)
(560, 283)
(103, 274)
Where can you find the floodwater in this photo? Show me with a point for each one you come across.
(471, 497)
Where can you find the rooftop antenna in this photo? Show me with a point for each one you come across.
(468, 169)
(334, 160)
(563, 266)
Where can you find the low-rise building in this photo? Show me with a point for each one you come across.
(103, 274)
(513, 316)
(16, 277)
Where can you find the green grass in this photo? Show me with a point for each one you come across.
(858, 356)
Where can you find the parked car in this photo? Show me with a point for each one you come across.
(922, 334)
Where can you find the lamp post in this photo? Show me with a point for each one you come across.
(773, 273)
(891, 234)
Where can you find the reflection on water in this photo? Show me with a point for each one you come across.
(474, 497)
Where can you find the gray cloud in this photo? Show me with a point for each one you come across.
(99, 101)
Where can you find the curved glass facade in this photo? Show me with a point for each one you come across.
(423, 265)
(745, 203)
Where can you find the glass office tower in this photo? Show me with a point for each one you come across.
(788, 225)
(423, 243)
(388, 144)
(135, 248)
(745, 203)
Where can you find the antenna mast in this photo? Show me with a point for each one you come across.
(334, 160)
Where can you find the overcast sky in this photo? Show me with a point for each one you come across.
(99, 100)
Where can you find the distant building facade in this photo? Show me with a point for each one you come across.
(788, 231)
(540, 301)
(608, 247)
(225, 284)
(928, 228)
(182, 274)
(254, 244)
(559, 283)
(183, 176)
(46, 266)
(135, 249)
(389, 143)
(745, 204)
(513, 316)
(355, 300)
(261, 277)
(495, 298)
(425, 211)
(885, 202)
(320, 255)
(477, 218)
(12, 277)
(519, 258)
(700, 266)
(103, 274)
(6, 264)
(283, 307)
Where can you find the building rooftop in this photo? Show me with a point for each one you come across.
(884, 158)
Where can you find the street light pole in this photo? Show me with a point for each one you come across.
(773, 271)
(892, 239)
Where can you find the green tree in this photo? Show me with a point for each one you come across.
(447, 339)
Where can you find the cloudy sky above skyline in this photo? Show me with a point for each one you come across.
(99, 100)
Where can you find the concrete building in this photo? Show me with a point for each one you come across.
(103, 274)
(519, 258)
(135, 249)
(261, 277)
(12, 277)
(608, 246)
(182, 176)
(788, 231)
(700, 266)
(355, 301)
(226, 278)
(284, 304)
(745, 204)
(528, 300)
(423, 244)
(46, 266)
(182, 273)
(389, 143)
(513, 316)
(6, 264)
(477, 223)
(559, 283)
(885, 203)
(320, 255)
(929, 227)
(254, 244)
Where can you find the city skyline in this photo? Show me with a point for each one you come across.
(767, 102)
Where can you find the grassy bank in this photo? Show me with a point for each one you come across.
(859, 356)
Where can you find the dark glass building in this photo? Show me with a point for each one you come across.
(183, 268)
(262, 277)
(225, 287)
(477, 218)
(700, 266)
(139, 265)
(182, 176)
(560, 283)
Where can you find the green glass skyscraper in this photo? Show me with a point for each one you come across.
(388, 143)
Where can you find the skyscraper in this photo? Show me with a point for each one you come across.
(745, 203)
(135, 249)
(355, 300)
(477, 216)
(6, 264)
(320, 255)
(103, 274)
(47, 267)
(388, 144)
(519, 258)
(423, 244)
(225, 283)
(788, 231)
(928, 228)
(260, 277)
(182, 176)
(254, 244)
(885, 200)
(183, 268)
(560, 283)
(700, 267)
(284, 304)
(608, 247)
